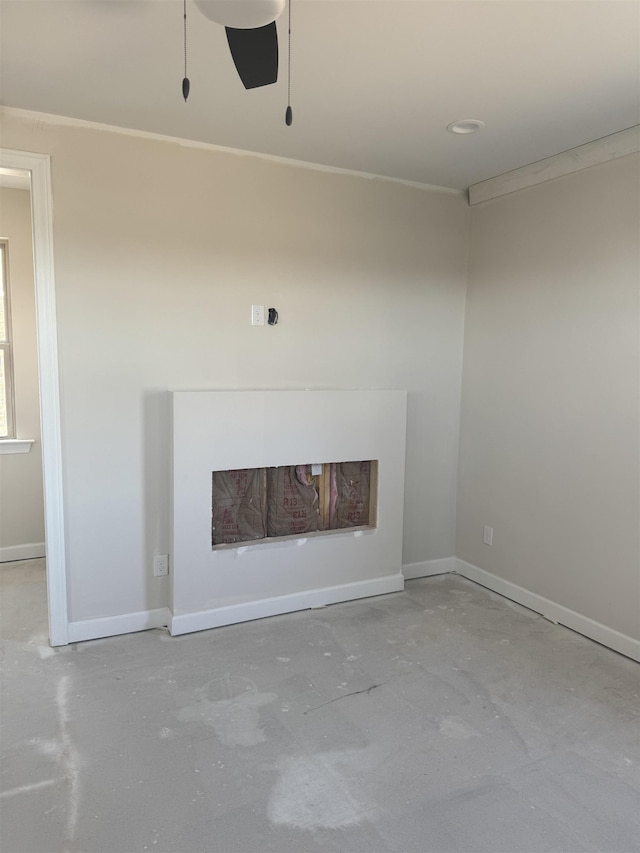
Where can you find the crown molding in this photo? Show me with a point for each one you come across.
(67, 121)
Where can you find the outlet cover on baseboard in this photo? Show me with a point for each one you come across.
(160, 565)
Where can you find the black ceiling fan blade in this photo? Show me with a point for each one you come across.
(255, 54)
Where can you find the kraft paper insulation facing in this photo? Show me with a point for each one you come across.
(239, 512)
(256, 503)
(352, 484)
(292, 504)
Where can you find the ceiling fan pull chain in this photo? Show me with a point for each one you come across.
(186, 85)
(288, 116)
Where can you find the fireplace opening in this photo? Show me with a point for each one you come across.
(252, 504)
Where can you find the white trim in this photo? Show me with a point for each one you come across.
(185, 623)
(627, 646)
(16, 179)
(15, 553)
(67, 121)
(15, 445)
(427, 568)
(599, 151)
(39, 166)
(111, 626)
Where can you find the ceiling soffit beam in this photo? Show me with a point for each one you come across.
(591, 154)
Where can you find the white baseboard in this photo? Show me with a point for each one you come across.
(30, 551)
(110, 626)
(550, 610)
(427, 568)
(185, 623)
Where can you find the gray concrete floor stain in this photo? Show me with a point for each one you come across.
(443, 718)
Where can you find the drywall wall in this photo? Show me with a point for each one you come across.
(21, 501)
(549, 422)
(160, 250)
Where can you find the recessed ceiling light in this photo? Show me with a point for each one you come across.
(465, 125)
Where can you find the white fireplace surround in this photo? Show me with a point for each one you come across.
(220, 430)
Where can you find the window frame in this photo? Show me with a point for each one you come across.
(6, 344)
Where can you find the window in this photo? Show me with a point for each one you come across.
(7, 419)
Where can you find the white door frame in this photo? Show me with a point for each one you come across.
(39, 166)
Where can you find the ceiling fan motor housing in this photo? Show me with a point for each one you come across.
(241, 14)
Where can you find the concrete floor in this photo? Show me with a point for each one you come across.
(444, 718)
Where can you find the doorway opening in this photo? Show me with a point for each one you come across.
(23, 593)
(35, 169)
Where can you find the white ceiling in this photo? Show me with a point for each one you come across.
(374, 82)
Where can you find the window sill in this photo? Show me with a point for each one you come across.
(15, 445)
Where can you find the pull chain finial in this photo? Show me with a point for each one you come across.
(288, 116)
(186, 85)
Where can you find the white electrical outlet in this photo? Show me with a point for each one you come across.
(316, 470)
(257, 315)
(487, 537)
(160, 565)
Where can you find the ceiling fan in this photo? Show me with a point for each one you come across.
(252, 36)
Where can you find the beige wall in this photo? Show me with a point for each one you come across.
(160, 250)
(21, 503)
(549, 423)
